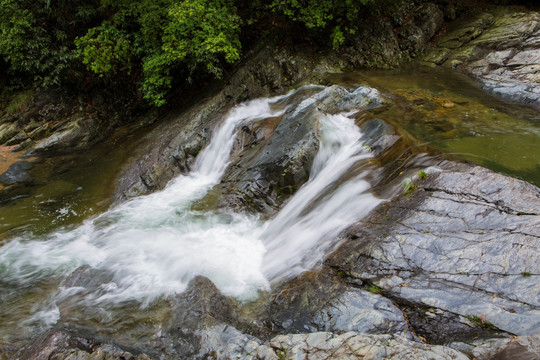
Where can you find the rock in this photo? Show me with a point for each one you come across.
(78, 133)
(61, 345)
(461, 243)
(226, 342)
(278, 158)
(17, 174)
(317, 302)
(362, 312)
(351, 345)
(501, 49)
(7, 131)
(426, 20)
(520, 347)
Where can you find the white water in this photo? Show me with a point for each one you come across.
(154, 245)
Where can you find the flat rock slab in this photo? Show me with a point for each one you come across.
(465, 241)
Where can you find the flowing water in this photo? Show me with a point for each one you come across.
(447, 109)
(149, 248)
(152, 246)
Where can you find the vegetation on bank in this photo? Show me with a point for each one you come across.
(154, 44)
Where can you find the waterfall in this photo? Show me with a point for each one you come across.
(152, 246)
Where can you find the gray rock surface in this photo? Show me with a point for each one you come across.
(351, 345)
(500, 48)
(464, 243)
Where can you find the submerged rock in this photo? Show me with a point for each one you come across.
(17, 173)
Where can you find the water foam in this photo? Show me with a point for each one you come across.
(152, 246)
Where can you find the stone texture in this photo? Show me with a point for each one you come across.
(501, 49)
(463, 242)
(351, 345)
(17, 174)
(60, 345)
(275, 159)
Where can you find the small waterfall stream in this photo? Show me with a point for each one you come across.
(152, 246)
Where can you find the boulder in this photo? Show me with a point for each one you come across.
(461, 246)
(499, 48)
(17, 173)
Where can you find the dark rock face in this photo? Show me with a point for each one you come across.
(277, 159)
(501, 49)
(426, 20)
(17, 174)
(58, 344)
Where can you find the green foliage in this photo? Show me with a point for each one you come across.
(374, 289)
(281, 353)
(422, 174)
(199, 33)
(19, 101)
(408, 187)
(163, 36)
(154, 44)
(105, 49)
(36, 36)
(481, 321)
(341, 18)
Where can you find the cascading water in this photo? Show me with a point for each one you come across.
(154, 245)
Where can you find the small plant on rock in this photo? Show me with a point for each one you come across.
(408, 187)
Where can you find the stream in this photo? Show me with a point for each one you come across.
(149, 248)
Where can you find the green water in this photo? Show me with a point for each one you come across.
(66, 190)
(446, 109)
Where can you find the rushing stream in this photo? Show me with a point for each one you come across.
(148, 249)
(152, 246)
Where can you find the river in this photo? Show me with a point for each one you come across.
(145, 250)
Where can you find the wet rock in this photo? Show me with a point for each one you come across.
(58, 344)
(276, 163)
(461, 243)
(317, 302)
(378, 136)
(78, 133)
(7, 131)
(351, 345)
(199, 308)
(426, 20)
(17, 173)
(501, 49)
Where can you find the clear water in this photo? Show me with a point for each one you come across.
(446, 109)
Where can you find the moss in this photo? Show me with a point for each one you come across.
(526, 274)
(422, 174)
(372, 288)
(479, 321)
(281, 353)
